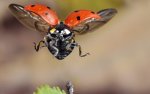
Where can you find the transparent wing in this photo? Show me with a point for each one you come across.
(93, 23)
(29, 19)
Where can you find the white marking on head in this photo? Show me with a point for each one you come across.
(67, 31)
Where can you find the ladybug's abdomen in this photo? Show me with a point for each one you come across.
(77, 17)
(62, 49)
(45, 12)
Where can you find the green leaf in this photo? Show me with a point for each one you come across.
(46, 89)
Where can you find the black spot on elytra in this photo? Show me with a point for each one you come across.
(32, 5)
(46, 13)
(76, 11)
(78, 18)
(93, 12)
(48, 7)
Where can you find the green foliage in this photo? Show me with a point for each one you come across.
(46, 89)
(89, 4)
(67, 6)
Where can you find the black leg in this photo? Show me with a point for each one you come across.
(69, 87)
(80, 52)
(38, 46)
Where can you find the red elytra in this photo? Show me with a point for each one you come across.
(77, 17)
(45, 12)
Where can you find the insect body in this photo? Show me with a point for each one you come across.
(59, 35)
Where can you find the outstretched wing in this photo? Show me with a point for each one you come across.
(83, 21)
(30, 17)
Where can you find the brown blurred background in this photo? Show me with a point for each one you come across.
(120, 51)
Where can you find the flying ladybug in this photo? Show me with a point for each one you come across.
(59, 35)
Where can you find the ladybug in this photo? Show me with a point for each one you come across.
(59, 35)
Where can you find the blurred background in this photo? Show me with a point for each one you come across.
(120, 51)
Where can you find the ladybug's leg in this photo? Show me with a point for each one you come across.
(69, 87)
(39, 45)
(80, 52)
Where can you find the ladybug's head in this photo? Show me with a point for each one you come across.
(61, 31)
(61, 26)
